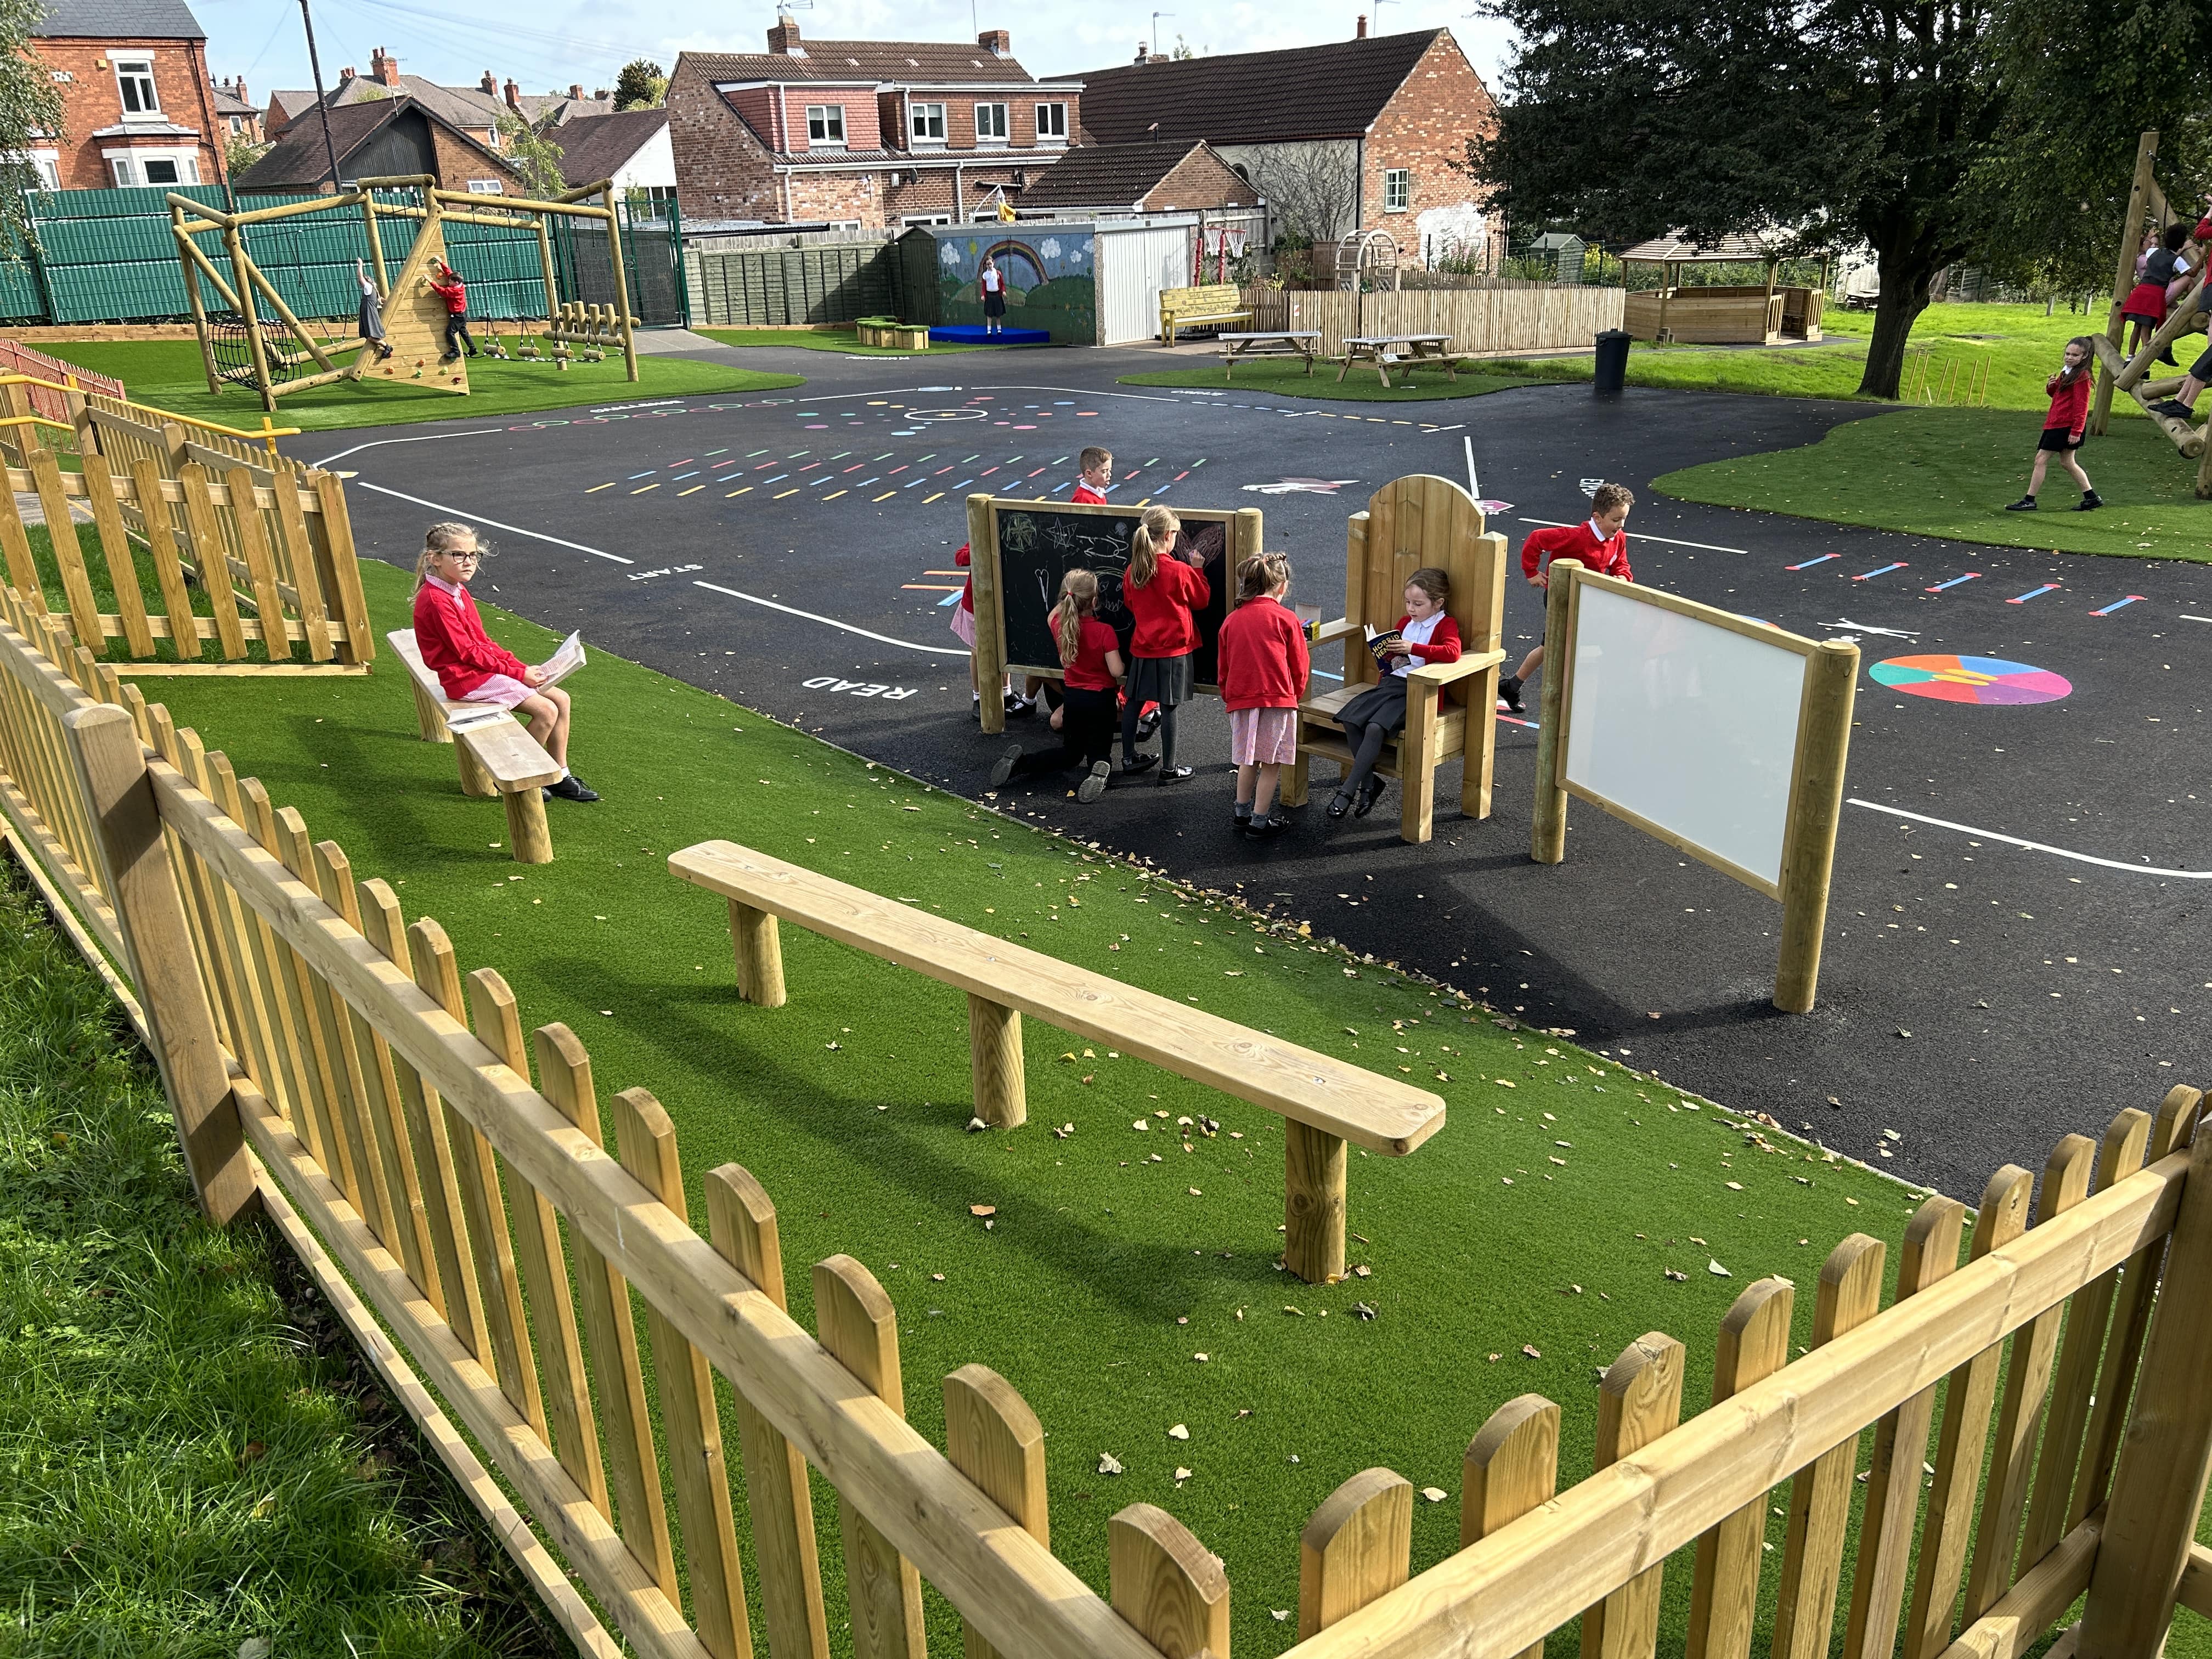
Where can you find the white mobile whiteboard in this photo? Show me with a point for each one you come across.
(1686, 724)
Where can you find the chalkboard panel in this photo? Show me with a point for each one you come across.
(1038, 545)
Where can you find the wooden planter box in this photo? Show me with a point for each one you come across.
(896, 336)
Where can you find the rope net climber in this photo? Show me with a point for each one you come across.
(234, 349)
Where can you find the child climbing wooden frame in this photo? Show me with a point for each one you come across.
(417, 318)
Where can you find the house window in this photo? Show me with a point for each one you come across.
(162, 171)
(825, 125)
(990, 124)
(927, 123)
(927, 219)
(486, 187)
(49, 171)
(134, 77)
(1052, 123)
(1397, 189)
(132, 169)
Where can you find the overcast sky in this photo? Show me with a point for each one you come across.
(547, 45)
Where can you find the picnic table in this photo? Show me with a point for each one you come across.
(1389, 351)
(1270, 343)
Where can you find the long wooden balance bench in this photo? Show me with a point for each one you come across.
(497, 755)
(1324, 1102)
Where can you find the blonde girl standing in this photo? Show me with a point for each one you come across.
(1163, 589)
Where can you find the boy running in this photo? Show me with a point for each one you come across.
(1600, 543)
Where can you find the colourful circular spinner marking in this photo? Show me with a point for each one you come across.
(1981, 680)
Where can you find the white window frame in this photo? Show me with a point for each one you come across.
(1052, 123)
(1397, 190)
(127, 167)
(922, 117)
(134, 78)
(827, 115)
(487, 187)
(1000, 118)
(911, 219)
(47, 164)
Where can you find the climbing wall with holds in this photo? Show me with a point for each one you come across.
(415, 323)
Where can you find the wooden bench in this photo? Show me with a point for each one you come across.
(890, 334)
(1418, 520)
(1201, 308)
(1385, 352)
(1304, 343)
(1324, 1102)
(497, 755)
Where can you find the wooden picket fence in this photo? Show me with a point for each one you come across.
(330, 1061)
(1487, 319)
(169, 492)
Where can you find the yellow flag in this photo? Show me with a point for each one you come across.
(1005, 210)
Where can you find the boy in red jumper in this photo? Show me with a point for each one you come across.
(1602, 544)
(1096, 467)
(455, 293)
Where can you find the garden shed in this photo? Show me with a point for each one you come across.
(1726, 314)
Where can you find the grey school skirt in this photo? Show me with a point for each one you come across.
(1166, 681)
(1382, 705)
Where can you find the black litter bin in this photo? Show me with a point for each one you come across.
(1612, 359)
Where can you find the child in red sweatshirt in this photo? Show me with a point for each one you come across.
(1600, 543)
(455, 293)
(1263, 663)
(1161, 591)
(2062, 426)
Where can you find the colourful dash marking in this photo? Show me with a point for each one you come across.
(895, 471)
(833, 495)
(1057, 488)
(596, 488)
(647, 473)
(1881, 571)
(681, 476)
(747, 491)
(927, 587)
(952, 598)
(841, 455)
(752, 452)
(810, 466)
(1154, 461)
(779, 478)
(1971, 576)
(780, 494)
(1181, 476)
(641, 490)
(693, 490)
(987, 471)
(942, 470)
(2117, 604)
(1034, 474)
(865, 483)
(2034, 593)
(856, 467)
(911, 482)
(887, 494)
(715, 452)
(885, 456)
(686, 461)
(1198, 464)
(927, 500)
(962, 484)
(1810, 563)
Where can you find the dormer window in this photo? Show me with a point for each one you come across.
(926, 121)
(990, 124)
(1052, 123)
(825, 125)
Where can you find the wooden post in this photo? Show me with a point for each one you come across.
(192, 298)
(1244, 541)
(1359, 1545)
(531, 837)
(2123, 272)
(552, 277)
(989, 663)
(2150, 1521)
(376, 272)
(1479, 764)
(993, 1438)
(1639, 1399)
(1816, 809)
(994, 1050)
(1313, 1202)
(242, 268)
(759, 951)
(1547, 841)
(860, 1327)
(1166, 1585)
(141, 886)
(1754, 1343)
(621, 281)
(1511, 1466)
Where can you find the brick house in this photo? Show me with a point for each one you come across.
(865, 133)
(381, 139)
(1124, 178)
(1355, 135)
(236, 114)
(474, 111)
(137, 106)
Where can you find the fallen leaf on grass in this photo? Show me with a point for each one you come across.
(1531, 1351)
(1362, 1311)
(1182, 1474)
(1280, 1615)
(1434, 1494)
(1180, 1431)
(1201, 1358)
(1718, 1271)
(1108, 1464)
(983, 1209)
(1679, 1278)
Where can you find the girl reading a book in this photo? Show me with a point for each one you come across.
(1161, 591)
(470, 667)
(1424, 633)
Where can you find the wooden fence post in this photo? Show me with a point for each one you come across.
(988, 660)
(2150, 1521)
(1640, 1400)
(1754, 1343)
(1358, 1545)
(993, 1438)
(1547, 837)
(759, 950)
(1511, 1466)
(1816, 809)
(141, 886)
(1314, 1165)
(995, 1052)
(1169, 1587)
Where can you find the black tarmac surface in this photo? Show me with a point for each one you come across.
(793, 550)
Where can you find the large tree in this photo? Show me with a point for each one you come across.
(1817, 121)
(641, 85)
(30, 108)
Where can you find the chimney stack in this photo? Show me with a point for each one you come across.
(997, 42)
(576, 93)
(347, 73)
(784, 37)
(1359, 32)
(602, 95)
(489, 84)
(514, 95)
(384, 66)
(1143, 51)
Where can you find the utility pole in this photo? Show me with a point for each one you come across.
(315, 64)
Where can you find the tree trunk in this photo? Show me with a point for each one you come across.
(1904, 285)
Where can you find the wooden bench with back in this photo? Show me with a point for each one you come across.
(1324, 1102)
(497, 755)
(1210, 306)
(1417, 520)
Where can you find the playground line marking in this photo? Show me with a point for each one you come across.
(596, 488)
(831, 622)
(1820, 559)
(2034, 593)
(512, 529)
(1671, 541)
(2117, 604)
(1879, 570)
(1971, 576)
(2031, 845)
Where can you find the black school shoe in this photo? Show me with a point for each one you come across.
(1265, 829)
(1508, 691)
(1173, 775)
(1094, 785)
(1136, 763)
(2090, 501)
(2174, 409)
(572, 788)
(2024, 504)
(1003, 768)
(1369, 792)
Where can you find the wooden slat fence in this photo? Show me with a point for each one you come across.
(1478, 320)
(334, 1061)
(837, 282)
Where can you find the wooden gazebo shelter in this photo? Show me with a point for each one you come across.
(1721, 315)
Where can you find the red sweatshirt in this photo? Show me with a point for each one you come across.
(1095, 642)
(454, 646)
(1263, 657)
(1085, 495)
(1443, 645)
(1162, 606)
(967, 593)
(454, 292)
(2069, 404)
(1576, 541)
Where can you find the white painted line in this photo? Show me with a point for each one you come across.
(831, 622)
(2033, 845)
(2185, 617)
(426, 438)
(1558, 523)
(512, 529)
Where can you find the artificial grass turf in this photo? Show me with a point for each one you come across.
(167, 373)
(1949, 472)
(1546, 1212)
(1290, 380)
(192, 1456)
(844, 340)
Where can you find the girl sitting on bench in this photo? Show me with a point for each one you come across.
(470, 667)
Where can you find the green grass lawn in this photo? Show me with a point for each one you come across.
(192, 1455)
(167, 373)
(842, 339)
(1950, 472)
(1290, 380)
(1548, 1212)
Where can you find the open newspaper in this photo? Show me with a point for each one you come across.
(556, 668)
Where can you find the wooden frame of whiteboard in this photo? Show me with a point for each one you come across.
(1244, 527)
(1816, 774)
